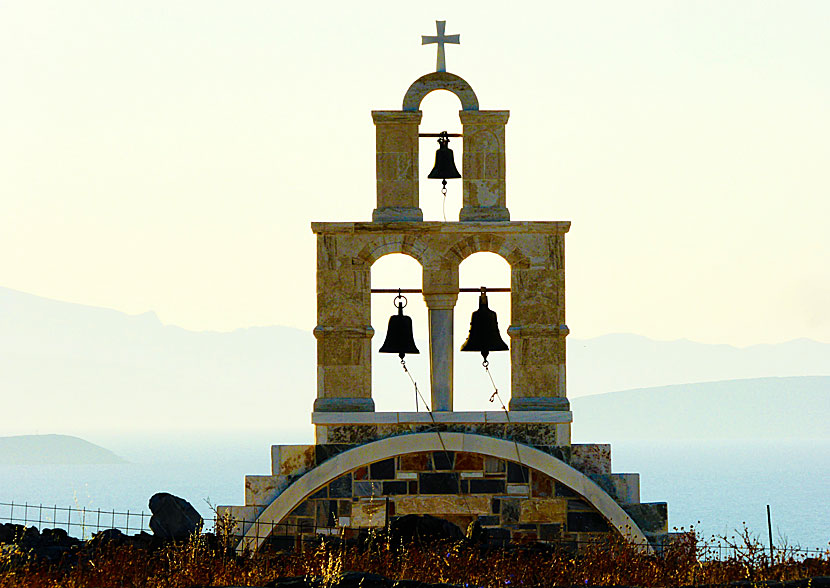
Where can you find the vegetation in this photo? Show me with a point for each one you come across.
(203, 561)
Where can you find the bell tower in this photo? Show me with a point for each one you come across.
(512, 472)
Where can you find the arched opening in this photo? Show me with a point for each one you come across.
(440, 110)
(391, 388)
(472, 387)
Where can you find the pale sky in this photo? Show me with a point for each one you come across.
(169, 156)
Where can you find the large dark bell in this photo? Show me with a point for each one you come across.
(444, 163)
(399, 338)
(484, 331)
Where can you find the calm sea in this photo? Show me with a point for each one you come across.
(715, 486)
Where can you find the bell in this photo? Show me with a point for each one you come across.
(484, 330)
(399, 338)
(444, 163)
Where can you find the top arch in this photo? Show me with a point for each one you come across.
(439, 80)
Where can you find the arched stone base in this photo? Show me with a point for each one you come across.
(535, 510)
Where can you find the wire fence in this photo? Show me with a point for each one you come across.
(84, 523)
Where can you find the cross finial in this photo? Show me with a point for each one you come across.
(441, 38)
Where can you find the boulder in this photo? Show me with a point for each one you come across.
(173, 518)
(422, 528)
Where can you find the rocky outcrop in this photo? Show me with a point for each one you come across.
(173, 518)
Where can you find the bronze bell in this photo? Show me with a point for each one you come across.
(484, 330)
(444, 163)
(399, 338)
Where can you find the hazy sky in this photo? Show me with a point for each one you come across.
(169, 156)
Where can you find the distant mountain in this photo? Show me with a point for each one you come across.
(765, 408)
(53, 449)
(73, 368)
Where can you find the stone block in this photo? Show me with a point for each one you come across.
(406, 475)
(239, 518)
(324, 452)
(518, 489)
(351, 434)
(369, 514)
(262, 490)
(485, 486)
(493, 465)
(382, 470)
(517, 473)
(395, 487)
(510, 510)
(368, 489)
(651, 517)
(442, 505)
(541, 486)
(291, 460)
(439, 483)
(326, 513)
(443, 460)
(544, 510)
(624, 488)
(591, 458)
(489, 520)
(586, 522)
(341, 487)
(415, 462)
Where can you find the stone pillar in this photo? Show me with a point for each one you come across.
(441, 294)
(396, 161)
(344, 331)
(483, 169)
(537, 335)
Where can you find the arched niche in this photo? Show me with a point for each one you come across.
(439, 80)
(392, 390)
(472, 392)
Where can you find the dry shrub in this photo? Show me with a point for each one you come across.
(612, 562)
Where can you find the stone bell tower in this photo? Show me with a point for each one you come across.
(513, 472)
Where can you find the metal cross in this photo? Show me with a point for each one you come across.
(441, 38)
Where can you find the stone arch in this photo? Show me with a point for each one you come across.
(407, 244)
(439, 80)
(351, 459)
(492, 243)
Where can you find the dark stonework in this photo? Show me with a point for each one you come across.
(382, 470)
(352, 433)
(341, 487)
(301, 509)
(327, 513)
(563, 491)
(361, 473)
(484, 486)
(321, 493)
(368, 488)
(604, 482)
(444, 483)
(541, 486)
(562, 453)
(489, 520)
(550, 532)
(396, 487)
(651, 517)
(510, 510)
(516, 473)
(496, 506)
(324, 451)
(443, 460)
(586, 522)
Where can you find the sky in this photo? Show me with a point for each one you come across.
(170, 156)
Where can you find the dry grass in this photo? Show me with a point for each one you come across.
(197, 563)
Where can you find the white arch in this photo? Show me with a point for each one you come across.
(351, 459)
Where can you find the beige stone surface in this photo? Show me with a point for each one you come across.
(544, 510)
(369, 513)
(291, 460)
(591, 458)
(262, 490)
(442, 505)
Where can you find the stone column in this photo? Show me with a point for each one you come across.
(441, 293)
(344, 331)
(537, 335)
(483, 169)
(396, 136)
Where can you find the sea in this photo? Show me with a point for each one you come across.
(719, 488)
